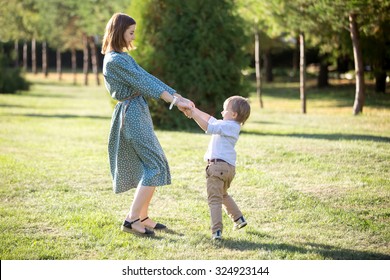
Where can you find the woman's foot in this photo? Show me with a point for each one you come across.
(149, 223)
(136, 227)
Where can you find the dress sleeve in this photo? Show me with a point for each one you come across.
(167, 88)
(128, 72)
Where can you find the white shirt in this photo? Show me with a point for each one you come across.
(223, 140)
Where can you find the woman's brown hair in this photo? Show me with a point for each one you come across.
(115, 29)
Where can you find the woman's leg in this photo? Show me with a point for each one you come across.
(145, 208)
(142, 198)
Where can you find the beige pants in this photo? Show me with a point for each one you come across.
(219, 176)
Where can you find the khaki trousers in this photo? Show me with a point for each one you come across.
(219, 176)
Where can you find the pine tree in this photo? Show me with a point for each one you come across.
(194, 46)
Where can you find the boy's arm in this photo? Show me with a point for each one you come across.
(200, 117)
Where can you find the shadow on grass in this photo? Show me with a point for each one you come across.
(172, 232)
(326, 251)
(11, 106)
(65, 116)
(344, 94)
(34, 94)
(333, 136)
(60, 95)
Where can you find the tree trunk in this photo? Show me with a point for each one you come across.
(379, 66)
(380, 81)
(74, 66)
(92, 46)
(86, 59)
(323, 76)
(59, 64)
(359, 71)
(44, 59)
(295, 60)
(25, 58)
(342, 64)
(257, 66)
(16, 49)
(34, 56)
(302, 71)
(269, 77)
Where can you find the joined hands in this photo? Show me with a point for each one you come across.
(185, 105)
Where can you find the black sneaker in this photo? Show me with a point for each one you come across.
(239, 223)
(217, 235)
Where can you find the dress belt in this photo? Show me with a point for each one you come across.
(215, 160)
(127, 101)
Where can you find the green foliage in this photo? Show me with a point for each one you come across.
(194, 46)
(11, 79)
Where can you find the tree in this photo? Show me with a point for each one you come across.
(195, 47)
(362, 18)
(267, 37)
(359, 70)
(375, 23)
(20, 18)
(93, 26)
(11, 79)
(299, 22)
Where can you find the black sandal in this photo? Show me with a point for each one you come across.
(126, 227)
(158, 226)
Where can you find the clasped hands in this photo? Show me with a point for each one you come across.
(185, 105)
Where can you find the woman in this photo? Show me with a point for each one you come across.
(136, 156)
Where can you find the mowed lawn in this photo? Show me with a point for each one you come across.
(314, 186)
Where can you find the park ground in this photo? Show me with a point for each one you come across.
(312, 186)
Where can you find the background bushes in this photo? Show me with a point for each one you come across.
(11, 79)
(176, 41)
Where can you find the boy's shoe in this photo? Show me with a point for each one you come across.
(239, 223)
(217, 235)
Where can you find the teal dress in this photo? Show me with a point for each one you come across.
(135, 154)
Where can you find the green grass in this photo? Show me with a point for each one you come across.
(312, 186)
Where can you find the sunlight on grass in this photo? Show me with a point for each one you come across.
(312, 186)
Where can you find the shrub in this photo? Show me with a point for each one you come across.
(196, 47)
(11, 79)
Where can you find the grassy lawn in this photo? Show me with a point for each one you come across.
(312, 186)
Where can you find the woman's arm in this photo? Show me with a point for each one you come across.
(180, 102)
(181, 98)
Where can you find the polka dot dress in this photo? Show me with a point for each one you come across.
(135, 154)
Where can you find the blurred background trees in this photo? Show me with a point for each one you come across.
(197, 47)
(205, 49)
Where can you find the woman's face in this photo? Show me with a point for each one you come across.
(129, 34)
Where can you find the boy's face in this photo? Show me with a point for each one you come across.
(227, 113)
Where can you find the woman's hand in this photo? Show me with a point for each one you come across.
(189, 102)
(185, 106)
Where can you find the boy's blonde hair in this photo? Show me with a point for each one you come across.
(239, 105)
(115, 29)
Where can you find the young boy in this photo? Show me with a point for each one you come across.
(221, 158)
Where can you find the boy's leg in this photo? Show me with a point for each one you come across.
(231, 208)
(230, 205)
(215, 197)
(234, 212)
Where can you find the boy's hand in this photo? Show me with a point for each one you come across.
(187, 110)
(185, 107)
